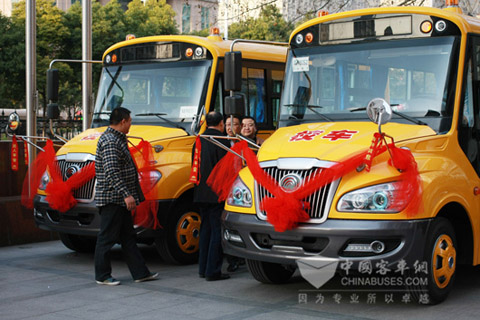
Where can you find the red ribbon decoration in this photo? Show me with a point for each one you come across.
(60, 193)
(195, 172)
(14, 154)
(145, 214)
(286, 210)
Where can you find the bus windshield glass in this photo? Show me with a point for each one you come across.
(336, 82)
(155, 93)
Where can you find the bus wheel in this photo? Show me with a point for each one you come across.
(179, 245)
(267, 272)
(77, 243)
(441, 259)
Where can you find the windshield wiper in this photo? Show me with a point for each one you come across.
(401, 115)
(159, 115)
(311, 107)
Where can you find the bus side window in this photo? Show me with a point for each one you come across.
(277, 80)
(253, 86)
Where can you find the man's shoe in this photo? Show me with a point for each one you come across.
(151, 276)
(109, 282)
(221, 276)
(201, 275)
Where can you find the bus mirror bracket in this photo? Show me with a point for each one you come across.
(53, 112)
(233, 71)
(235, 105)
(52, 85)
(379, 111)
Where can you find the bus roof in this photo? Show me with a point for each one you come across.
(217, 46)
(465, 23)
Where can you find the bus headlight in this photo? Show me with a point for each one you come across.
(382, 198)
(44, 181)
(239, 195)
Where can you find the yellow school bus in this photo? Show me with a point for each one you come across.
(422, 64)
(168, 83)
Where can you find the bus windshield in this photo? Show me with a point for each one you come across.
(171, 90)
(336, 82)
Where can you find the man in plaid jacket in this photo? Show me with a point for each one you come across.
(117, 193)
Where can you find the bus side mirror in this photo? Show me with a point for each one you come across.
(53, 112)
(235, 105)
(52, 85)
(379, 111)
(233, 71)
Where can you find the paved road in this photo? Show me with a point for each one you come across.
(48, 281)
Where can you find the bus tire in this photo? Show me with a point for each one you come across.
(179, 244)
(78, 243)
(441, 257)
(267, 272)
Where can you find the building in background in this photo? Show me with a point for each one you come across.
(296, 10)
(6, 7)
(191, 15)
(194, 15)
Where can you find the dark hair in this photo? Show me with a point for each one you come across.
(213, 118)
(249, 117)
(118, 114)
(234, 117)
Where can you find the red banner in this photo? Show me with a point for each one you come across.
(195, 172)
(25, 151)
(14, 154)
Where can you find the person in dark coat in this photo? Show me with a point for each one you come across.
(210, 248)
(117, 193)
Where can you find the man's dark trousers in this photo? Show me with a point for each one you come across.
(116, 225)
(210, 247)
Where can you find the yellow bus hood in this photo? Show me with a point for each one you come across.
(86, 142)
(326, 141)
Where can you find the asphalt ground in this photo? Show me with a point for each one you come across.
(48, 281)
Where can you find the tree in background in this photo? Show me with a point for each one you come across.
(270, 26)
(12, 64)
(52, 35)
(154, 17)
(59, 36)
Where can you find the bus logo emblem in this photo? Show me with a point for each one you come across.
(71, 171)
(290, 182)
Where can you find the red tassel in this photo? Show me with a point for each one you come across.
(14, 154)
(25, 151)
(195, 172)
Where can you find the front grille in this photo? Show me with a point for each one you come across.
(319, 200)
(85, 192)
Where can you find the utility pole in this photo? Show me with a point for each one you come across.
(31, 73)
(225, 32)
(86, 67)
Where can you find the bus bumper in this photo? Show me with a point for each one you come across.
(83, 219)
(246, 236)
